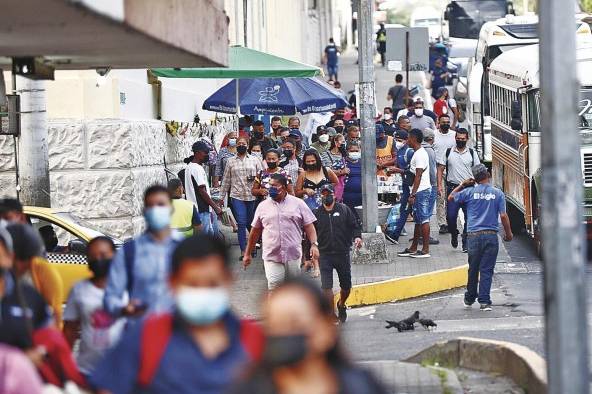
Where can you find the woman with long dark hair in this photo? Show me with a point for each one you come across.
(334, 158)
(302, 352)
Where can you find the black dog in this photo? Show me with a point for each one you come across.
(411, 320)
(427, 323)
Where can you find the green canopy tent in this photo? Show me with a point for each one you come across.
(245, 63)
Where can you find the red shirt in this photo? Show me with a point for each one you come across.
(441, 107)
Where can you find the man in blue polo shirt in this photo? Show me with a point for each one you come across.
(201, 347)
(332, 59)
(485, 204)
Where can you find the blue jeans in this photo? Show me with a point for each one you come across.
(483, 250)
(433, 198)
(403, 212)
(244, 216)
(421, 206)
(452, 215)
(332, 70)
(206, 223)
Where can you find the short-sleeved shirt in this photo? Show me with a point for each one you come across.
(398, 93)
(460, 164)
(14, 328)
(282, 224)
(195, 175)
(421, 159)
(221, 160)
(422, 122)
(331, 51)
(98, 330)
(484, 205)
(442, 142)
(264, 177)
(432, 155)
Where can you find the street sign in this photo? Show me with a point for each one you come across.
(10, 119)
(402, 48)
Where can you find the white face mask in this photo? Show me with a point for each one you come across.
(355, 156)
(202, 306)
(418, 112)
(324, 138)
(257, 154)
(387, 116)
(399, 144)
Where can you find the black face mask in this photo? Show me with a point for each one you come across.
(288, 153)
(241, 149)
(310, 167)
(258, 135)
(339, 129)
(272, 165)
(444, 127)
(461, 144)
(328, 200)
(284, 350)
(100, 268)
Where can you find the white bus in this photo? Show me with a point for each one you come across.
(516, 131)
(496, 38)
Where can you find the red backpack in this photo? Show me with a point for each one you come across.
(157, 332)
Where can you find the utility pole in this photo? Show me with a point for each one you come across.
(33, 152)
(367, 111)
(562, 228)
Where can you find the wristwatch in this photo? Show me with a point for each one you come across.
(315, 244)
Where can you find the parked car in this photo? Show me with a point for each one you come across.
(73, 234)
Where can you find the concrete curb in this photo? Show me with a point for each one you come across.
(525, 367)
(407, 287)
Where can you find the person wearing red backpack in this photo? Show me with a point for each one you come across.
(200, 347)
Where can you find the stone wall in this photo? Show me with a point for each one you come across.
(100, 168)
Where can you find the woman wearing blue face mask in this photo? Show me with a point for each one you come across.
(141, 267)
(198, 348)
(352, 190)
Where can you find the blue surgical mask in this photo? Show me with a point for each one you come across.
(232, 142)
(202, 306)
(157, 218)
(274, 192)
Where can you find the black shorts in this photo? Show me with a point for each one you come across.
(339, 262)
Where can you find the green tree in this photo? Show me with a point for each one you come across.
(586, 5)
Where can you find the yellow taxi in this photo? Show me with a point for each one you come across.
(65, 236)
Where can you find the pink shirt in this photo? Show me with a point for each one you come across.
(17, 373)
(282, 227)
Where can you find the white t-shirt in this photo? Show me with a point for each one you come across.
(451, 104)
(443, 142)
(98, 330)
(421, 159)
(199, 174)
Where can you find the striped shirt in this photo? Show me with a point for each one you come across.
(239, 176)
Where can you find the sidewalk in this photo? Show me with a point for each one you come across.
(251, 285)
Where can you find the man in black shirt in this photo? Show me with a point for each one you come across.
(337, 227)
(398, 93)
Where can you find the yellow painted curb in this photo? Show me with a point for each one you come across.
(407, 287)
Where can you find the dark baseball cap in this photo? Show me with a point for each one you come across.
(401, 134)
(295, 133)
(200, 146)
(379, 129)
(327, 188)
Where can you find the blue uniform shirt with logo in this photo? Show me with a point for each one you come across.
(484, 205)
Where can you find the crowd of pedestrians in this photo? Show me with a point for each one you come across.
(154, 315)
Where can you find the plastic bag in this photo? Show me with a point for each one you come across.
(393, 216)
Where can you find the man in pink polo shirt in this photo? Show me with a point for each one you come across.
(280, 219)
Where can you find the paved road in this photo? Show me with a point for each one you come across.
(518, 315)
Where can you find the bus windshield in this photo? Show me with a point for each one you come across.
(466, 17)
(585, 110)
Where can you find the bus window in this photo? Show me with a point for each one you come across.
(533, 108)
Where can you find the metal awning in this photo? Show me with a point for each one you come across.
(80, 34)
(246, 63)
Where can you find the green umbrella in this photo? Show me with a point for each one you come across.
(245, 63)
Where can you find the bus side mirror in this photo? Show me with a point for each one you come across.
(516, 122)
(510, 9)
